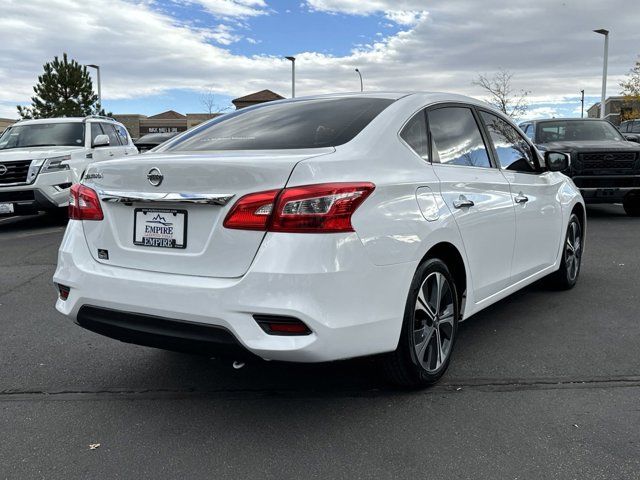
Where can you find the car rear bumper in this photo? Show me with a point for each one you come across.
(352, 307)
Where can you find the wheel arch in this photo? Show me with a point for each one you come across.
(580, 211)
(452, 257)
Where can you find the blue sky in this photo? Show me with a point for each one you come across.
(157, 55)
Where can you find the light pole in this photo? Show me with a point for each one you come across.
(582, 103)
(97, 67)
(293, 75)
(361, 86)
(604, 32)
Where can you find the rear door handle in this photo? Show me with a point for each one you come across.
(521, 198)
(463, 202)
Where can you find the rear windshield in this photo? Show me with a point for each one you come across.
(43, 135)
(302, 124)
(576, 130)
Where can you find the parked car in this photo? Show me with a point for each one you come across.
(41, 159)
(631, 130)
(152, 140)
(372, 224)
(604, 165)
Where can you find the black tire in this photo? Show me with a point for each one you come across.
(631, 205)
(566, 276)
(403, 366)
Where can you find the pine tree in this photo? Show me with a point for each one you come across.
(631, 92)
(64, 89)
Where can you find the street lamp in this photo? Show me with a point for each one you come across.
(361, 87)
(582, 104)
(97, 67)
(604, 32)
(293, 75)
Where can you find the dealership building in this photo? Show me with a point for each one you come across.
(614, 107)
(4, 123)
(172, 121)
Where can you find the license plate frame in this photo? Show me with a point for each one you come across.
(7, 208)
(161, 238)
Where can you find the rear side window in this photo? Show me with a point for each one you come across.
(456, 138)
(635, 127)
(300, 124)
(514, 153)
(415, 134)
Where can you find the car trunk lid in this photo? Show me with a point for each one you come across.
(164, 212)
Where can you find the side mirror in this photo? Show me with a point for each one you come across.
(101, 141)
(632, 138)
(556, 161)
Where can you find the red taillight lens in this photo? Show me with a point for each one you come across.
(324, 208)
(252, 212)
(84, 204)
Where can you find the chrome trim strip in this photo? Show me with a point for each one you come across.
(166, 197)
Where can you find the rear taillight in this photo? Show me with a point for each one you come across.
(252, 212)
(84, 204)
(324, 208)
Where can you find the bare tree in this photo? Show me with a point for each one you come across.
(502, 95)
(208, 100)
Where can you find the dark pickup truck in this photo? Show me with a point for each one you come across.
(603, 164)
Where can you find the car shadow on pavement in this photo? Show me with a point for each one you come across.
(32, 222)
(190, 374)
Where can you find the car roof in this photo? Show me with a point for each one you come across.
(424, 98)
(64, 120)
(569, 120)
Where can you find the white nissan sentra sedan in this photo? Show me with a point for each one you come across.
(318, 229)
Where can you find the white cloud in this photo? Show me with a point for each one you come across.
(365, 7)
(540, 112)
(233, 8)
(548, 45)
(406, 17)
(223, 34)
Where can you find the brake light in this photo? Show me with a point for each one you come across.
(252, 212)
(84, 204)
(323, 208)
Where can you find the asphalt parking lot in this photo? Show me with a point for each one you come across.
(543, 385)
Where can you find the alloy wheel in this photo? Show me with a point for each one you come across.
(573, 250)
(434, 322)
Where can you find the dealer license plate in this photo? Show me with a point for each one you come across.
(163, 228)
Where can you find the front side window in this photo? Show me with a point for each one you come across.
(291, 125)
(456, 138)
(96, 130)
(114, 139)
(514, 153)
(69, 134)
(415, 134)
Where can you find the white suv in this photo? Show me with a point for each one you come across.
(41, 159)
